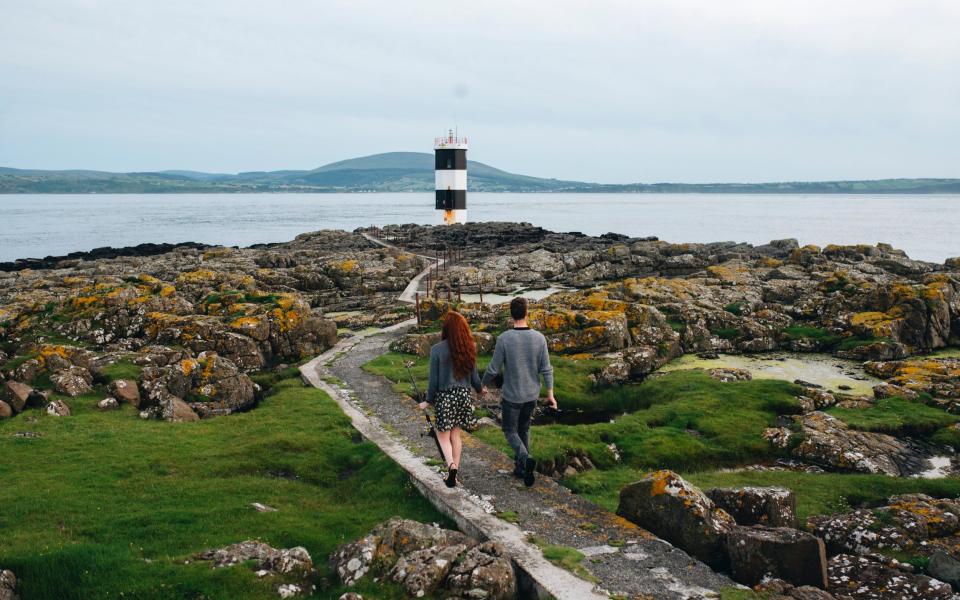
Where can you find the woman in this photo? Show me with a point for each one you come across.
(453, 371)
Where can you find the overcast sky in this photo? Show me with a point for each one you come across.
(602, 90)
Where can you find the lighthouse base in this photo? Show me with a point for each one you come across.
(450, 217)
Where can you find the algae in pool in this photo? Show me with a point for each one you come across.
(503, 299)
(821, 369)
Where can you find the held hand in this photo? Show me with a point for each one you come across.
(552, 401)
(484, 391)
(423, 406)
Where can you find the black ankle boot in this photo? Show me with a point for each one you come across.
(451, 480)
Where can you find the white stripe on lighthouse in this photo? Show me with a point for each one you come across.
(448, 179)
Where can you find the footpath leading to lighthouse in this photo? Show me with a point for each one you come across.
(620, 557)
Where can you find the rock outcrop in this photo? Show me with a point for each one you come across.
(771, 506)
(426, 559)
(875, 577)
(8, 585)
(913, 523)
(671, 508)
(757, 553)
(831, 443)
(292, 567)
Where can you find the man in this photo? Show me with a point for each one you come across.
(521, 354)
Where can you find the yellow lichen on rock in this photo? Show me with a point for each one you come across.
(879, 324)
(552, 321)
(196, 277)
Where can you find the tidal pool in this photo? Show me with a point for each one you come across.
(503, 299)
(821, 369)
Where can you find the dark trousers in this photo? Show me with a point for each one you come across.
(515, 423)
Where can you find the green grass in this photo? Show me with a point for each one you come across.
(268, 379)
(727, 418)
(122, 369)
(728, 333)
(565, 557)
(732, 593)
(855, 342)
(734, 308)
(509, 516)
(948, 436)
(677, 326)
(15, 361)
(822, 336)
(105, 505)
(817, 493)
(896, 416)
(572, 385)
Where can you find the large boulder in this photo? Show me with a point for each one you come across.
(74, 381)
(178, 411)
(211, 384)
(911, 523)
(830, 443)
(875, 578)
(673, 509)
(415, 343)
(108, 403)
(28, 370)
(426, 559)
(5, 410)
(945, 568)
(759, 552)
(422, 572)
(125, 390)
(58, 408)
(771, 506)
(16, 394)
(486, 567)
(8, 585)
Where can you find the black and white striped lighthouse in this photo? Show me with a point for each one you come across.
(451, 174)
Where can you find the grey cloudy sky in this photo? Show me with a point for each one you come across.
(613, 91)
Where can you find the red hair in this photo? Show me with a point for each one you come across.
(463, 350)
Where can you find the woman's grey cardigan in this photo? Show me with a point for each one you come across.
(441, 373)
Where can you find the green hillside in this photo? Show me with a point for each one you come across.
(410, 172)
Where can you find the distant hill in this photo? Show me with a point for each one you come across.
(408, 172)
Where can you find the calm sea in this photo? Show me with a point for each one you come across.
(927, 227)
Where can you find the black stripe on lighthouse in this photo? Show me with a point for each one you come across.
(451, 199)
(450, 159)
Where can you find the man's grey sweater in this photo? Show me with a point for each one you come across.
(522, 356)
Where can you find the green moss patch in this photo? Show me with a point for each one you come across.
(896, 416)
(683, 420)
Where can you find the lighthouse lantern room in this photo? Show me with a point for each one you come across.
(450, 153)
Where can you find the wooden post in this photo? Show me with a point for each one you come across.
(417, 296)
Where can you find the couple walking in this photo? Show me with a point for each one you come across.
(520, 355)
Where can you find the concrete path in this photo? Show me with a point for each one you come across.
(409, 294)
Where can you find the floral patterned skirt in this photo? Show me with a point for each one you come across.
(454, 409)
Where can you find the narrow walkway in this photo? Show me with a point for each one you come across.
(409, 294)
(620, 558)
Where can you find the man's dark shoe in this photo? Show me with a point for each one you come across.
(528, 472)
(518, 473)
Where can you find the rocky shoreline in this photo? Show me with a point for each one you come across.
(186, 332)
